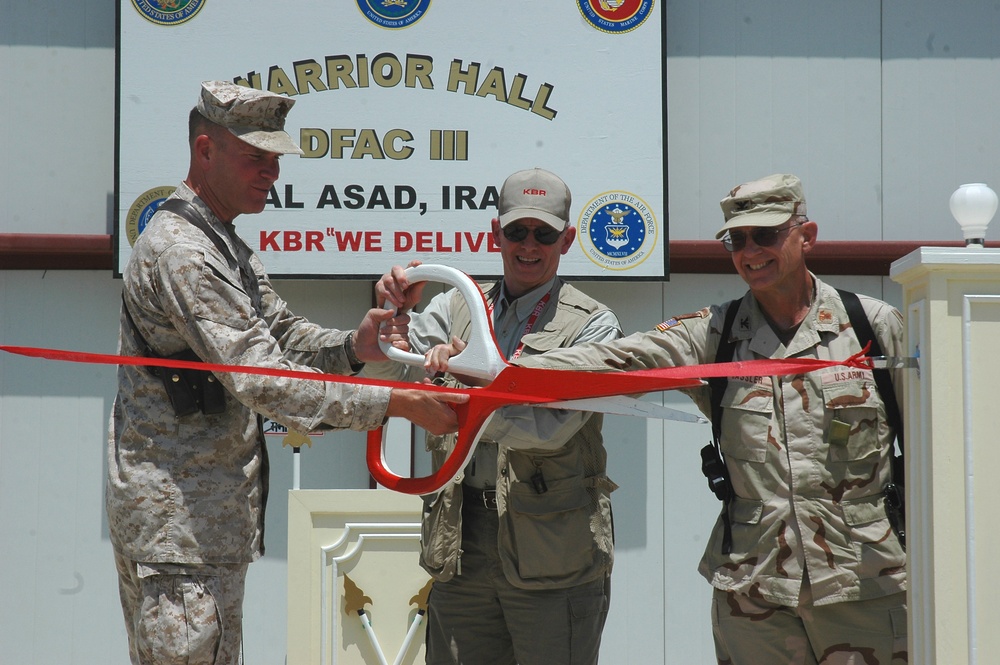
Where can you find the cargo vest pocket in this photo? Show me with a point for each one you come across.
(746, 417)
(876, 547)
(745, 522)
(852, 421)
(552, 530)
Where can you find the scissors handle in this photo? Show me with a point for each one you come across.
(473, 417)
(481, 357)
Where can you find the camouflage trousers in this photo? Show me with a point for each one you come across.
(753, 631)
(182, 614)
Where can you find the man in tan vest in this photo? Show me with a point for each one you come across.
(520, 546)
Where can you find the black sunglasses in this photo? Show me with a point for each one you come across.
(763, 236)
(543, 234)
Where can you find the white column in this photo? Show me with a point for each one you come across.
(952, 315)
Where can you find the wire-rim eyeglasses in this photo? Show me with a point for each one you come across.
(763, 236)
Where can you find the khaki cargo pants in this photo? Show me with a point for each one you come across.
(479, 618)
(183, 614)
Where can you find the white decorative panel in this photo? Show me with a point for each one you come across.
(356, 593)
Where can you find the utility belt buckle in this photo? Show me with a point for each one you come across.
(474, 496)
(489, 499)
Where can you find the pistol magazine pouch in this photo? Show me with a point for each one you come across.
(191, 390)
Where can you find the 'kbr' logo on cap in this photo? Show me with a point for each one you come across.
(393, 14)
(617, 230)
(168, 12)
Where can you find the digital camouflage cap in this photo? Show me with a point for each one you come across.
(254, 116)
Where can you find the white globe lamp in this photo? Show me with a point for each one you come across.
(973, 206)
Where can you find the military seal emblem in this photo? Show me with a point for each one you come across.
(617, 230)
(615, 16)
(168, 12)
(142, 210)
(393, 14)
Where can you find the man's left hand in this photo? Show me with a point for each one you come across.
(396, 288)
(381, 324)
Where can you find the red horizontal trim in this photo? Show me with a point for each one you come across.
(26, 251)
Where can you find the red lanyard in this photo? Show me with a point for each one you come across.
(535, 313)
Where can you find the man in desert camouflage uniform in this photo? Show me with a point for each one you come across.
(187, 490)
(814, 573)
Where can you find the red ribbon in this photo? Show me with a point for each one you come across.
(514, 385)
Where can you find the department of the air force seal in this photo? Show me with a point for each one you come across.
(142, 211)
(617, 230)
(393, 14)
(168, 12)
(615, 16)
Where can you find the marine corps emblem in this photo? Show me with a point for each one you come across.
(615, 16)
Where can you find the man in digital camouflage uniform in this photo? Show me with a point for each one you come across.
(815, 573)
(186, 493)
(521, 545)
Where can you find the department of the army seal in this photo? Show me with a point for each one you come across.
(168, 12)
(615, 16)
(142, 211)
(393, 14)
(617, 230)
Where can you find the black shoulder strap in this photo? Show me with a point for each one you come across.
(185, 209)
(863, 330)
(723, 354)
(248, 277)
(713, 464)
(893, 492)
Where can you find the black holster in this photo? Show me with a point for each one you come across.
(715, 471)
(191, 390)
(895, 501)
(714, 468)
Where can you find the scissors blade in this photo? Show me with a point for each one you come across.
(622, 405)
(895, 362)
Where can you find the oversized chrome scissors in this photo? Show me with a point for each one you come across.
(511, 384)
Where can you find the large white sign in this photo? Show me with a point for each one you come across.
(411, 113)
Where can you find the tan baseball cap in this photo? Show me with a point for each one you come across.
(535, 193)
(254, 116)
(770, 201)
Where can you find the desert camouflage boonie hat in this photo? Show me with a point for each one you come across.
(770, 201)
(254, 116)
